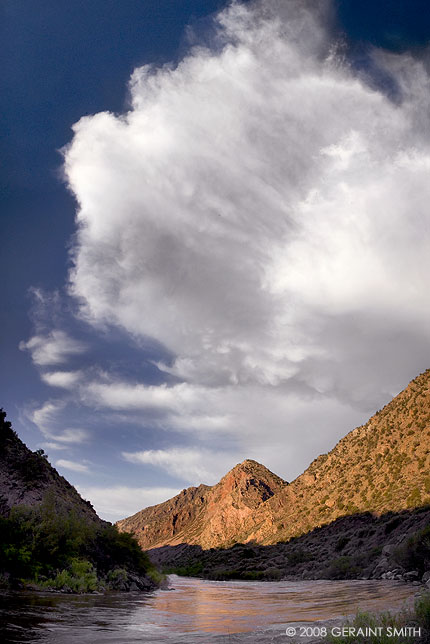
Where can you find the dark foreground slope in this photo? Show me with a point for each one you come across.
(50, 537)
(26, 478)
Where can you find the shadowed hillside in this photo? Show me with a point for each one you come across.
(26, 477)
(395, 545)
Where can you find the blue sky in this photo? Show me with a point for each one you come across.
(215, 232)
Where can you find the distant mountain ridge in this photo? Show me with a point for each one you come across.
(381, 466)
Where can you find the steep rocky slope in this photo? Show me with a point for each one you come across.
(209, 516)
(379, 467)
(26, 477)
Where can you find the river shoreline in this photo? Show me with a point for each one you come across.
(32, 588)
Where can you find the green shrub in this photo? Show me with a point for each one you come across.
(422, 611)
(50, 540)
(157, 577)
(192, 569)
(80, 577)
(6, 431)
(343, 568)
(117, 575)
(273, 574)
(110, 548)
(414, 497)
(299, 556)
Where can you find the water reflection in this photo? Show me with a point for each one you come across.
(219, 607)
(189, 612)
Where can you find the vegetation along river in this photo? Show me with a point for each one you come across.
(192, 611)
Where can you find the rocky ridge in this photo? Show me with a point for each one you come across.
(26, 477)
(204, 515)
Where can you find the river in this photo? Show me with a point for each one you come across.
(193, 611)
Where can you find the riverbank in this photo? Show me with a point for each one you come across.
(84, 580)
(409, 624)
(391, 546)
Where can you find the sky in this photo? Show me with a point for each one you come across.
(215, 232)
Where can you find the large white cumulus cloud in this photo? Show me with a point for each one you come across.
(263, 213)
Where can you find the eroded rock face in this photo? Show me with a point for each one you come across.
(204, 515)
(382, 466)
(168, 521)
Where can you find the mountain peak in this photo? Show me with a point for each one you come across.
(250, 475)
(249, 463)
(207, 515)
(251, 467)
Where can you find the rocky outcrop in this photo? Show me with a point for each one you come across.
(209, 516)
(382, 466)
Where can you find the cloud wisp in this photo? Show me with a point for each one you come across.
(192, 465)
(48, 418)
(118, 502)
(72, 465)
(62, 379)
(53, 348)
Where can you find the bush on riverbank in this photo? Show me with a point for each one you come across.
(81, 577)
(414, 554)
(52, 547)
(345, 567)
